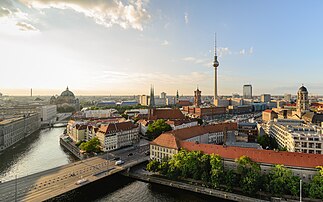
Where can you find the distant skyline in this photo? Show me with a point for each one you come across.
(103, 47)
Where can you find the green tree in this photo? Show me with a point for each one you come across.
(216, 169)
(249, 173)
(205, 167)
(264, 141)
(281, 181)
(229, 179)
(153, 166)
(157, 128)
(315, 188)
(91, 145)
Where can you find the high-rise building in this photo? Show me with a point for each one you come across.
(302, 105)
(163, 95)
(152, 97)
(197, 97)
(265, 98)
(247, 91)
(215, 65)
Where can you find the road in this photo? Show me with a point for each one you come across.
(50, 183)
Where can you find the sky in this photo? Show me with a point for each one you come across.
(121, 47)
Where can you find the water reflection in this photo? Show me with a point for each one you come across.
(40, 151)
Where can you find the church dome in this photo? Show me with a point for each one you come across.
(67, 93)
(302, 89)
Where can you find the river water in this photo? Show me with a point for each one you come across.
(42, 151)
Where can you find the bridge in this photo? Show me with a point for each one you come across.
(57, 181)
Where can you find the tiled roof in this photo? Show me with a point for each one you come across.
(116, 127)
(166, 114)
(268, 111)
(261, 156)
(166, 140)
(187, 133)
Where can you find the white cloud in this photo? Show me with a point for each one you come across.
(186, 18)
(4, 12)
(203, 61)
(104, 12)
(165, 43)
(242, 52)
(23, 26)
(246, 52)
(222, 51)
(14, 16)
(251, 50)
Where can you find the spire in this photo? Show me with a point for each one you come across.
(67, 88)
(215, 62)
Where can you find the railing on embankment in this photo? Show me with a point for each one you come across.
(193, 188)
(71, 148)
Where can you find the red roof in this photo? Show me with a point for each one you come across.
(268, 110)
(257, 155)
(166, 140)
(165, 114)
(116, 127)
(187, 133)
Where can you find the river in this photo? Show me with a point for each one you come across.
(42, 151)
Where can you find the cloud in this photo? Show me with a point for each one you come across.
(165, 43)
(186, 18)
(222, 51)
(25, 26)
(246, 52)
(4, 12)
(129, 13)
(203, 61)
(242, 52)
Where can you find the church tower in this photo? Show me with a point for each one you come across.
(302, 105)
(197, 97)
(215, 65)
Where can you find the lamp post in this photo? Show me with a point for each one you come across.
(300, 190)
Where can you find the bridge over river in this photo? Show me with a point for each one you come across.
(57, 181)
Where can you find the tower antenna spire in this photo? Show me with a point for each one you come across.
(215, 51)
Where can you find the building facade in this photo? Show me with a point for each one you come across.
(117, 135)
(296, 136)
(165, 145)
(15, 129)
(247, 91)
(197, 98)
(302, 165)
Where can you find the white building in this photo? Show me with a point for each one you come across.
(48, 113)
(117, 135)
(297, 136)
(15, 129)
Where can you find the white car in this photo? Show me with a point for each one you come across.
(81, 181)
(119, 162)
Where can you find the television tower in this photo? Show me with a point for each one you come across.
(215, 65)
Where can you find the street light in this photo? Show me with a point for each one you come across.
(300, 190)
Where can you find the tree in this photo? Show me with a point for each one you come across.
(281, 181)
(229, 179)
(264, 141)
(91, 145)
(205, 167)
(153, 166)
(216, 169)
(316, 186)
(157, 128)
(249, 173)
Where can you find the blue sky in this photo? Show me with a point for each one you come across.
(104, 47)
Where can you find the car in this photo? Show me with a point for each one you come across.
(130, 154)
(81, 181)
(116, 158)
(119, 162)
